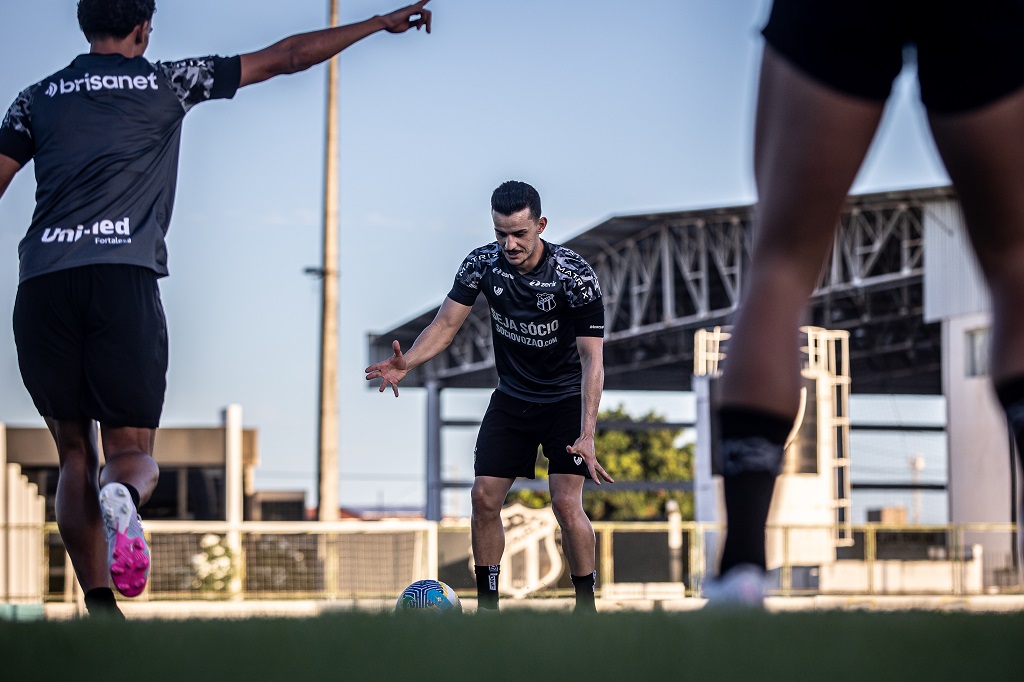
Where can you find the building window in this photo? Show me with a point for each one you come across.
(977, 345)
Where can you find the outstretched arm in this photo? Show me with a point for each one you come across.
(8, 167)
(431, 341)
(299, 52)
(591, 350)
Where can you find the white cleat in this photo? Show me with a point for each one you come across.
(742, 586)
(127, 551)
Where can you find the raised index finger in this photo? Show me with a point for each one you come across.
(424, 18)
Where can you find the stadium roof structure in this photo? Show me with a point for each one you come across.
(666, 275)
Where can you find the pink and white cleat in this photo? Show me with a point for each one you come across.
(128, 553)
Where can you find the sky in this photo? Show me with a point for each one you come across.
(606, 107)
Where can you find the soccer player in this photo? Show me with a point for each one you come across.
(826, 73)
(547, 323)
(88, 321)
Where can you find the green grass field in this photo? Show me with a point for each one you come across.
(631, 647)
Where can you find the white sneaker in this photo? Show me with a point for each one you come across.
(742, 586)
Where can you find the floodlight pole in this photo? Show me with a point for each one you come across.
(327, 469)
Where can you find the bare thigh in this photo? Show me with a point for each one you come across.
(983, 151)
(809, 143)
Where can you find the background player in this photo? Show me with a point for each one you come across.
(89, 325)
(826, 74)
(547, 322)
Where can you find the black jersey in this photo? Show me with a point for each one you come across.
(535, 318)
(104, 133)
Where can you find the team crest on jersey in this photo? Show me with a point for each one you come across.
(498, 290)
(546, 302)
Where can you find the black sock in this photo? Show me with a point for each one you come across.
(748, 497)
(100, 601)
(134, 493)
(487, 586)
(584, 586)
(748, 494)
(749, 422)
(1011, 397)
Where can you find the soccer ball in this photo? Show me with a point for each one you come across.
(428, 596)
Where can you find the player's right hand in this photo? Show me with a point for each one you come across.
(389, 371)
(413, 16)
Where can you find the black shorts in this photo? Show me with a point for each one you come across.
(92, 344)
(969, 52)
(512, 429)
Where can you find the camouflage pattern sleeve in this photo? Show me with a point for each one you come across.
(16, 139)
(200, 79)
(468, 278)
(579, 281)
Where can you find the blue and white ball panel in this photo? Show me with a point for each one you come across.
(429, 595)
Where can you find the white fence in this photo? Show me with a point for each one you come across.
(368, 563)
(22, 516)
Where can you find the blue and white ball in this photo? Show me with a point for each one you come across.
(428, 596)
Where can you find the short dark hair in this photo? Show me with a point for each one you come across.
(114, 18)
(513, 196)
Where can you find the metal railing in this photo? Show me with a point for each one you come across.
(351, 560)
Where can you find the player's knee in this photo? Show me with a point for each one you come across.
(79, 467)
(485, 503)
(566, 507)
(78, 454)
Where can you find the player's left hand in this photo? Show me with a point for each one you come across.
(584, 447)
(389, 371)
(413, 16)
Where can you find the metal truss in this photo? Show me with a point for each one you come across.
(682, 272)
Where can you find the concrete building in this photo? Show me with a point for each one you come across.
(192, 460)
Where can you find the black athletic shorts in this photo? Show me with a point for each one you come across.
(512, 429)
(969, 52)
(92, 344)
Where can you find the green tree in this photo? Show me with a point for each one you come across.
(630, 456)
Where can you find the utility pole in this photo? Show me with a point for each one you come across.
(327, 469)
